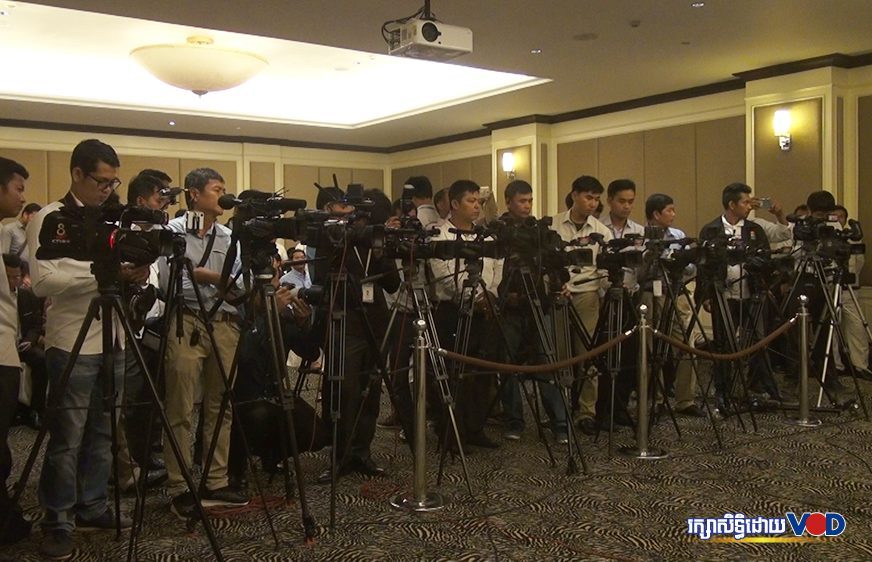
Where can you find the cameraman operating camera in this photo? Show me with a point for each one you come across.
(79, 429)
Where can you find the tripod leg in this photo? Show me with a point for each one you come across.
(170, 436)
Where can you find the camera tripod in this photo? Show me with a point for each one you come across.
(562, 380)
(107, 303)
(676, 289)
(832, 295)
(417, 295)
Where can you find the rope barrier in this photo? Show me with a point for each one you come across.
(534, 369)
(728, 356)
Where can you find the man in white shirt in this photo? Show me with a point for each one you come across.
(78, 438)
(299, 273)
(578, 223)
(13, 236)
(448, 278)
(422, 198)
(620, 196)
(856, 337)
(12, 180)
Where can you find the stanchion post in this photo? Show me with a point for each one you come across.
(803, 420)
(641, 450)
(420, 499)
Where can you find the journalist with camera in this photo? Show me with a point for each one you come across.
(192, 357)
(524, 236)
(733, 247)
(348, 243)
(79, 429)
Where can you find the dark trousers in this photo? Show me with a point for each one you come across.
(360, 361)
(472, 393)
(9, 379)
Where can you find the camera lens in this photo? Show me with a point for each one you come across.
(430, 32)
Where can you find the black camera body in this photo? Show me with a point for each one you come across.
(93, 234)
(313, 295)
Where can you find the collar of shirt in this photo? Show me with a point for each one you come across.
(567, 219)
(734, 230)
(630, 227)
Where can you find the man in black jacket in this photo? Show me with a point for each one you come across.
(733, 229)
(366, 309)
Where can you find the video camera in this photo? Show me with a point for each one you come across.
(619, 253)
(824, 236)
(534, 242)
(105, 235)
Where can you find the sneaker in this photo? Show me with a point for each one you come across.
(512, 435)
(225, 496)
(104, 522)
(183, 507)
(57, 544)
(561, 438)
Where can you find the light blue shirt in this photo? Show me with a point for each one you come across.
(300, 280)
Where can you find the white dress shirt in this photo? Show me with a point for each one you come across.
(630, 227)
(8, 324)
(735, 289)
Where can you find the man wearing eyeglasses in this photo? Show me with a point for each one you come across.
(78, 458)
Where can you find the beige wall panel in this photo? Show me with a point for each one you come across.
(343, 177)
(370, 179)
(263, 176)
(432, 171)
(398, 176)
(58, 174)
(36, 163)
(670, 167)
(132, 165)
(575, 159)
(299, 182)
(789, 176)
(864, 181)
(622, 156)
(480, 169)
(720, 161)
(226, 168)
(539, 198)
(454, 170)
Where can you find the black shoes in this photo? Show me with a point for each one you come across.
(57, 544)
(481, 440)
(587, 426)
(225, 496)
(183, 506)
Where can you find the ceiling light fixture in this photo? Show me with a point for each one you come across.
(172, 123)
(535, 51)
(198, 65)
(697, 5)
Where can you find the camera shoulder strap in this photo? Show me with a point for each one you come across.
(209, 245)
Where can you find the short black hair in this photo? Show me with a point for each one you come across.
(587, 184)
(295, 250)
(423, 187)
(733, 192)
(461, 187)
(90, 152)
(841, 208)
(568, 200)
(31, 208)
(9, 168)
(517, 187)
(380, 211)
(820, 201)
(655, 203)
(198, 179)
(11, 260)
(620, 185)
(441, 194)
(800, 209)
(158, 174)
(142, 185)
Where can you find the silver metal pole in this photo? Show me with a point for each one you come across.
(803, 420)
(641, 450)
(420, 499)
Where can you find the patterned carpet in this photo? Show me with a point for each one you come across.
(524, 509)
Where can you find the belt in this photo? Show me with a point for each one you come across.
(220, 316)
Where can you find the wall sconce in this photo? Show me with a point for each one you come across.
(509, 165)
(781, 127)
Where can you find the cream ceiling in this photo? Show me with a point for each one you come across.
(641, 48)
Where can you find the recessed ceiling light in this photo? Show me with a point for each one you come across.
(697, 4)
(535, 51)
(172, 123)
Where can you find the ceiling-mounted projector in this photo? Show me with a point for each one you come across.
(432, 40)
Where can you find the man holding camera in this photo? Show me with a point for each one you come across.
(422, 199)
(192, 357)
(518, 322)
(449, 277)
(732, 229)
(577, 224)
(78, 458)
